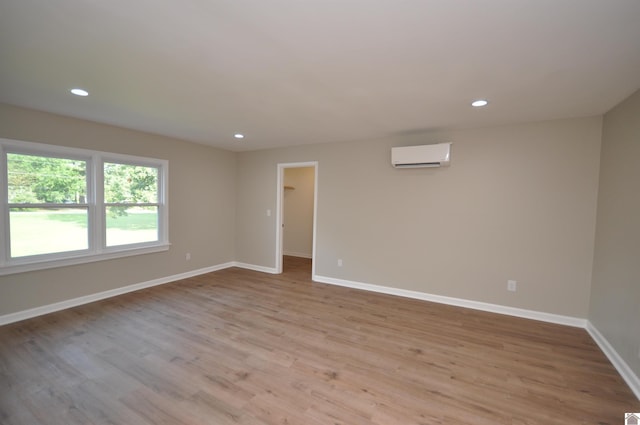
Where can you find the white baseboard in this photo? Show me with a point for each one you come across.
(270, 270)
(476, 305)
(74, 302)
(618, 362)
(297, 254)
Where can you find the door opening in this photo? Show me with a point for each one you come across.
(296, 212)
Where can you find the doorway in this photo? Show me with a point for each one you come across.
(296, 203)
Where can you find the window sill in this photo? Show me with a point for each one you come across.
(81, 259)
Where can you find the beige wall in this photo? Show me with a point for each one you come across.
(517, 202)
(298, 212)
(201, 214)
(615, 296)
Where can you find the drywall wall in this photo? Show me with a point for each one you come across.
(518, 202)
(298, 211)
(615, 294)
(201, 209)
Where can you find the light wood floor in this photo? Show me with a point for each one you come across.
(242, 347)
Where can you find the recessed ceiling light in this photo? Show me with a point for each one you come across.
(479, 102)
(80, 92)
(238, 136)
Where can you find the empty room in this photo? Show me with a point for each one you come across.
(319, 212)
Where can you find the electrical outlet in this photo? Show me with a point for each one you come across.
(339, 262)
(187, 256)
(639, 351)
(512, 285)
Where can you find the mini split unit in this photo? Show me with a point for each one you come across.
(421, 156)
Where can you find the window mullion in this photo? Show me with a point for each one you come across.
(97, 204)
(163, 211)
(47, 205)
(141, 232)
(4, 209)
(129, 204)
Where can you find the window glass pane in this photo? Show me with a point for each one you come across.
(40, 179)
(130, 184)
(46, 231)
(127, 225)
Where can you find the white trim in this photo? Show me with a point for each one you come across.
(618, 362)
(5, 243)
(315, 219)
(297, 254)
(263, 269)
(280, 211)
(97, 249)
(82, 259)
(459, 302)
(74, 302)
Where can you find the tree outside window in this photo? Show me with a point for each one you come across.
(69, 206)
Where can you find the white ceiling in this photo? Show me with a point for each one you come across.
(289, 72)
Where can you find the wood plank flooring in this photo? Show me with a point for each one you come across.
(242, 347)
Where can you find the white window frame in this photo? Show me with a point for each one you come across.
(97, 250)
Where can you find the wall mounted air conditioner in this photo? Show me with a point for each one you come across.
(421, 156)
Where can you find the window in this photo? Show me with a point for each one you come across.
(66, 206)
(131, 203)
(48, 212)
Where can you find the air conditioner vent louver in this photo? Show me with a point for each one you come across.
(418, 165)
(421, 156)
